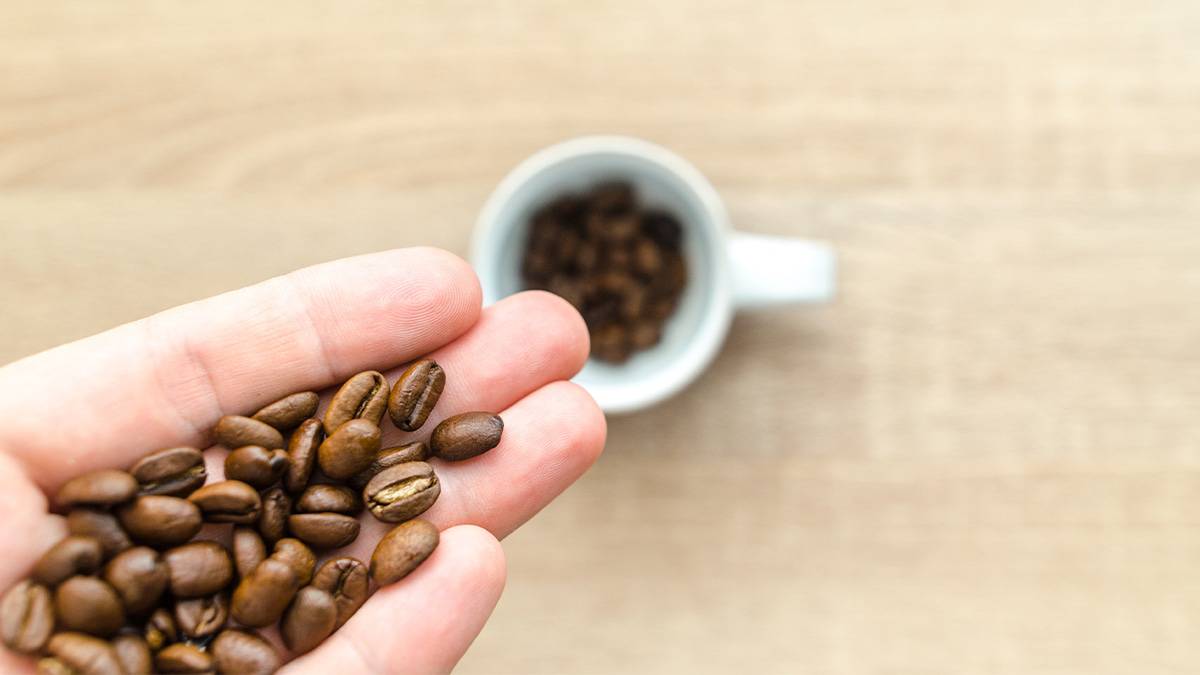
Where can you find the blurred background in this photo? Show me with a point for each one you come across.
(984, 457)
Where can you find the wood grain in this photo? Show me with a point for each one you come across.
(984, 458)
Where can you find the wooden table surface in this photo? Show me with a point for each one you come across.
(983, 458)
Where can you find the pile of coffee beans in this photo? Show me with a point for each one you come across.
(620, 265)
(133, 590)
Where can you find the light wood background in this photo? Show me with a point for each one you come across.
(984, 458)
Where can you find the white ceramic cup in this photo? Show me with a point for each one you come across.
(727, 270)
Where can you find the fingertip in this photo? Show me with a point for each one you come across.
(557, 317)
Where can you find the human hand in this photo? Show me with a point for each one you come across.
(105, 401)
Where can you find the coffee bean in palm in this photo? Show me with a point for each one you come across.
(203, 616)
(84, 654)
(310, 619)
(199, 568)
(26, 617)
(133, 653)
(410, 452)
(177, 472)
(248, 549)
(88, 605)
(229, 501)
(333, 498)
(243, 652)
(349, 449)
(256, 466)
(415, 394)
(101, 525)
(345, 579)
(302, 453)
(235, 431)
(140, 576)
(160, 629)
(323, 530)
(158, 520)
(182, 657)
(106, 487)
(69, 557)
(298, 556)
(363, 396)
(272, 523)
(402, 492)
(466, 435)
(401, 550)
(261, 597)
(288, 412)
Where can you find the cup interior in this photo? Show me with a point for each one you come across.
(694, 332)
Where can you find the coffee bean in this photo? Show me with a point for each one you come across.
(98, 488)
(26, 617)
(199, 568)
(302, 451)
(349, 449)
(310, 619)
(276, 506)
(201, 617)
(84, 654)
(230, 501)
(100, 525)
(411, 452)
(235, 431)
(346, 580)
(160, 630)
(402, 550)
(415, 394)
(402, 492)
(465, 436)
(363, 396)
(133, 653)
(289, 411)
(298, 556)
(244, 652)
(323, 530)
(334, 498)
(158, 520)
(51, 666)
(248, 549)
(69, 557)
(256, 466)
(140, 577)
(183, 658)
(177, 472)
(262, 596)
(88, 605)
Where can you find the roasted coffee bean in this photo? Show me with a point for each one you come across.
(333, 498)
(98, 488)
(363, 396)
(260, 598)
(160, 630)
(101, 525)
(349, 450)
(158, 520)
(199, 568)
(88, 605)
(26, 617)
(310, 619)
(230, 501)
(411, 452)
(402, 550)
(84, 654)
(465, 436)
(133, 654)
(302, 453)
(288, 412)
(69, 557)
(51, 666)
(323, 530)
(140, 577)
(346, 580)
(272, 523)
(298, 556)
(235, 431)
(177, 472)
(402, 492)
(248, 549)
(183, 658)
(244, 652)
(256, 466)
(201, 617)
(415, 394)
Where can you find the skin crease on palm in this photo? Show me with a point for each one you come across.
(163, 381)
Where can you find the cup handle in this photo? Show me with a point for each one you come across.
(780, 270)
